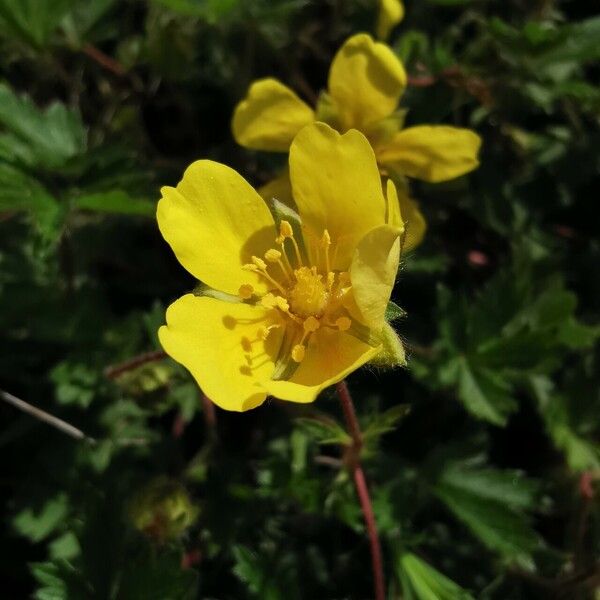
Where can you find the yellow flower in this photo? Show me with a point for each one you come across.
(366, 82)
(391, 12)
(295, 302)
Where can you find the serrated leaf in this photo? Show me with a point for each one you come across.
(325, 431)
(54, 135)
(32, 21)
(485, 394)
(580, 453)
(255, 573)
(115, 202)
(36, 525)
(491, 509)
(421, 581)
(385, 422)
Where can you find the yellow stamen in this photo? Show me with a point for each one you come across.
(272, 301)
(330, 280)
(258, 265)
(245, 292)
(298, 352)
(286, 232)
(343, 323)
(246, 344)
(272, 255)
(325, 243)
(311, 325)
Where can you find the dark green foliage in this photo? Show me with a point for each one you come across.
(482, 455)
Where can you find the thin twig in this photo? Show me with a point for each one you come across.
(114, 371)
(47, 418)
(105, 61)
(361, 487)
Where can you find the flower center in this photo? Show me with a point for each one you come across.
(307, 297)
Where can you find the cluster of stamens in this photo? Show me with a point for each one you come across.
(307, 296)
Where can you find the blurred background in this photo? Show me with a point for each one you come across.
(482, 456)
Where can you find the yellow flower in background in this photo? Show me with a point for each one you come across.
(296, 301)
(366, 82)
(391, 12)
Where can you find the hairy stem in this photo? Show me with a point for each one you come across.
(361, 487)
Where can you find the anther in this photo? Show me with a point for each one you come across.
(245, 292)
(311, 325)
(272, 301)
(258, 265)
(285, 230)
(246, 344)
(272, 255)
(259, 262)
(343, 323)
(298, 352)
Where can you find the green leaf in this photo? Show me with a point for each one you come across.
(159, 577)
(421, 581)
(37, 525)
(393, 312)
(54, 135)
(32, 21)
(51, 582)
(115, 202)
(580, 453)
(491, 504)
(385, 422)
(20, 192)
(485, 394)
(255, 573)
(325, 431)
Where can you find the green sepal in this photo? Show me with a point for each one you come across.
(392, 351)
(393, 312)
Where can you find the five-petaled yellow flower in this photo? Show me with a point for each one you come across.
(296, 301)
(366, 82)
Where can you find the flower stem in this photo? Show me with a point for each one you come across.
(114, 371)
(361, 487)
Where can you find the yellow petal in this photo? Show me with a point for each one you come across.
(279, 188)
(207, 337)
(373, 273)
(432, 153)
(394, 212)
(215, 221)
(269, 116)
(336, 186)
(391, 12)
(330, 356)
(366, 81)
(415, 223)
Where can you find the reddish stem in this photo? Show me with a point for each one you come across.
(361, 487)
(114, 371)
(110, 64)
